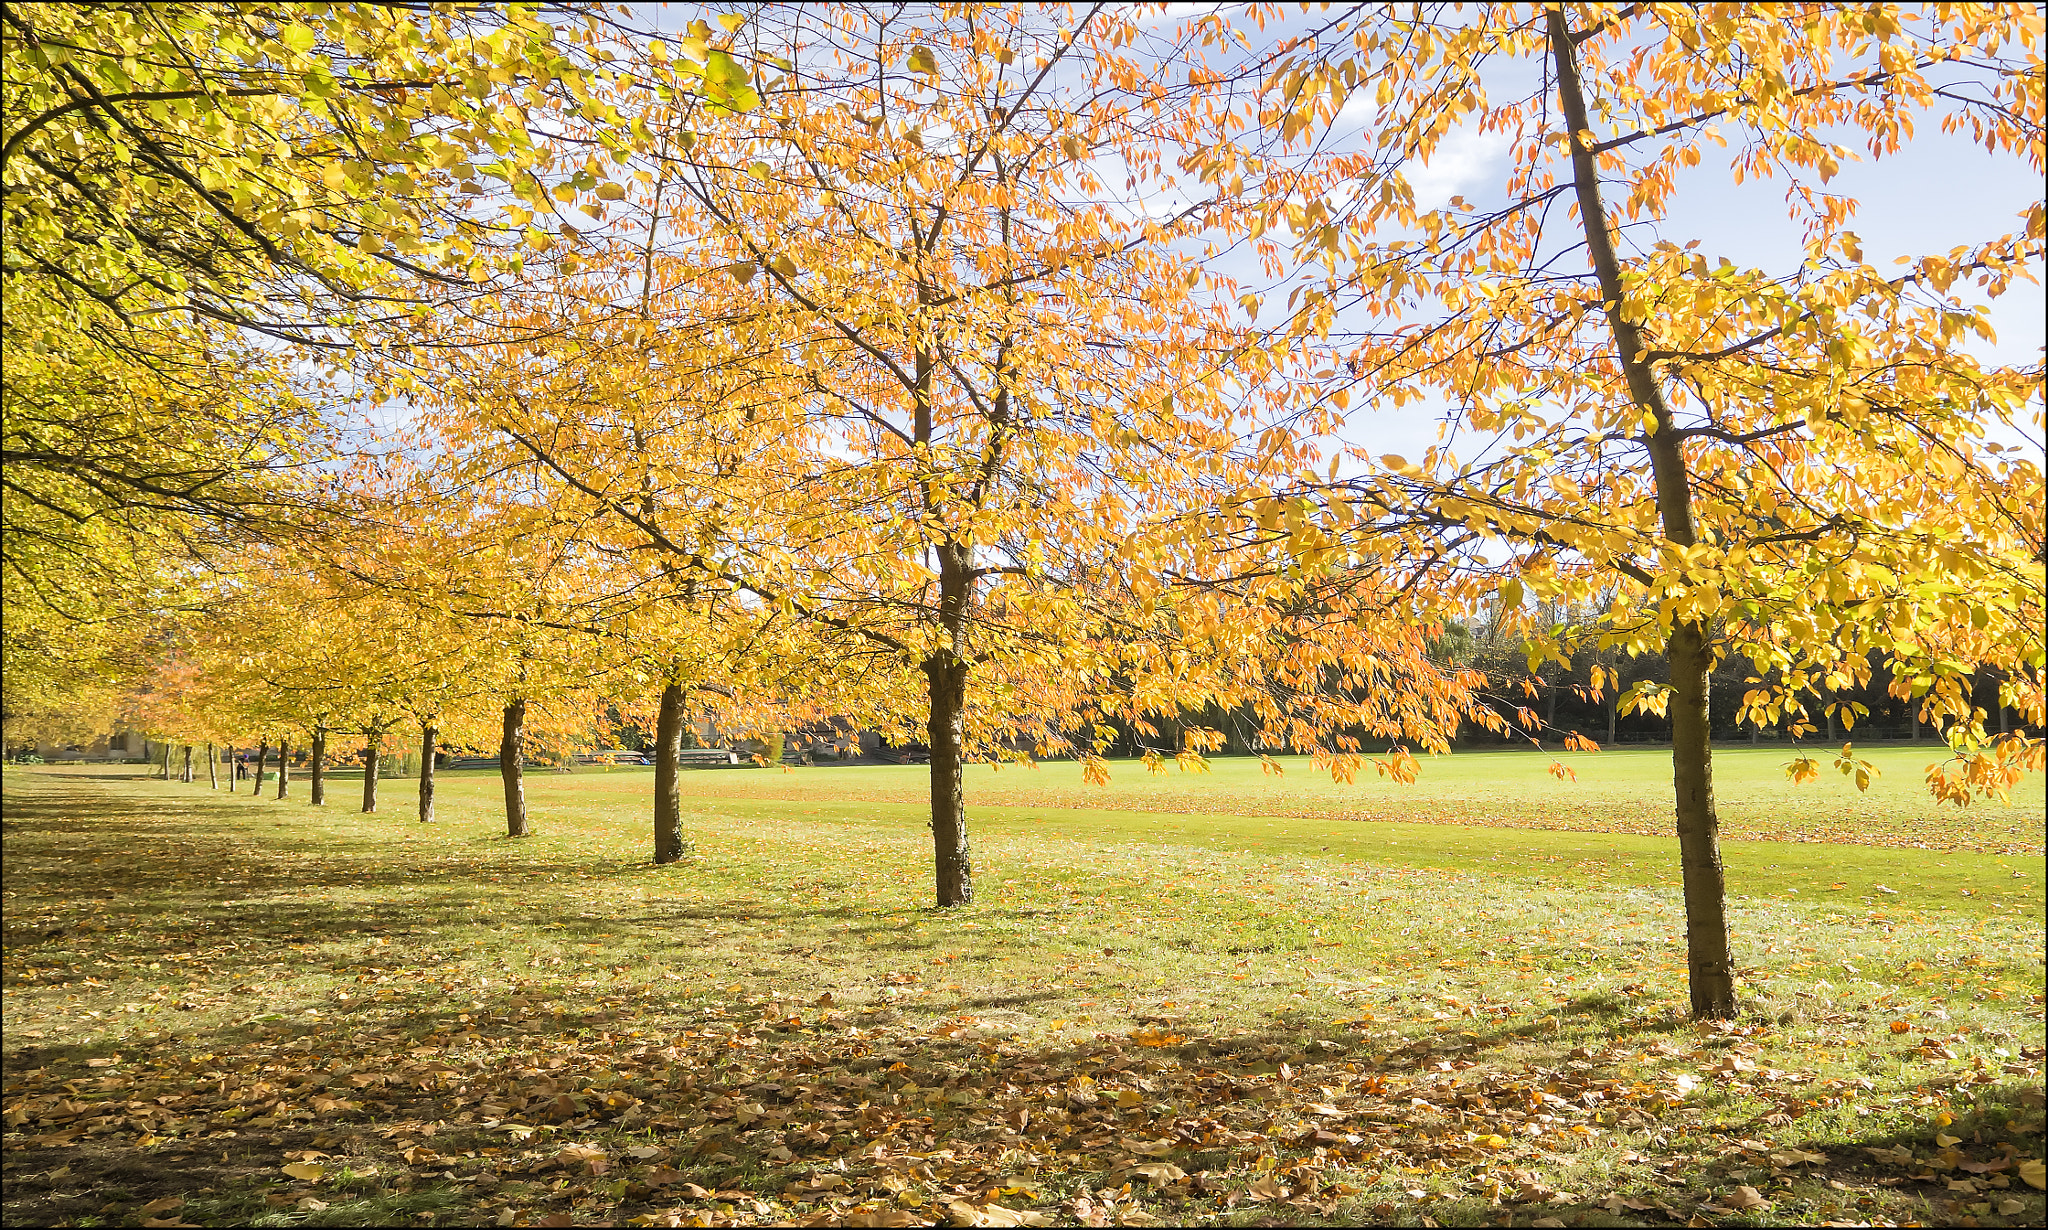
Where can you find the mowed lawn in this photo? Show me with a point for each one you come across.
(1208, 997)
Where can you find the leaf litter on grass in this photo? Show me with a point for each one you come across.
(769, 1115)
(1278, 1047)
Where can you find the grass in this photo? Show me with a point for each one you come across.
(1625, 791)
(1216, 978)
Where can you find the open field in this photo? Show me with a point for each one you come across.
(1626, 791)
(1170, 1007)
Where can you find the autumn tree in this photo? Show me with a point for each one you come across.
(1803, 467)
(193, 188)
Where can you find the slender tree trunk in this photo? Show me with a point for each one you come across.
(1613, 711)
(946, 679)
(426, 773)
(668, 755)
(262, 750)
(185, 775)
(512, 767)
(318, 792)
(373, 752)
(1830, 716)
(212, 768)
(1913, 717)
(167, 762)
(284, 769)
(1709, 955)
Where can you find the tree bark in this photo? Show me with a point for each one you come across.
(318, 793)
(262, 750)
(185, 774)
(512, 767)
(1709, 955)
(284, 769)
(373, 751)
(946, 680)
(167, 761)
(212, 768)
(668, 755)
(426, 773)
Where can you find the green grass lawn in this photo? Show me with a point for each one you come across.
(1173, 999)
(1625, 791)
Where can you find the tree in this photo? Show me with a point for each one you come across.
(189, 186)
(1797, 467)
(960, 424)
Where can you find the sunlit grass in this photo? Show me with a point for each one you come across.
(148, 916)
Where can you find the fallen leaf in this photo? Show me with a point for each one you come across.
(1746, 1197)
(163, 1205)
(2032, 1172)
(308, 1172)
(1159, 1174)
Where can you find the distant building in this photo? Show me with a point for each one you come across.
(122, 745)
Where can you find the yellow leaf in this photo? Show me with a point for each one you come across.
(308, 1172)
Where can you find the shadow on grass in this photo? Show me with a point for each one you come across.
(551, 1047)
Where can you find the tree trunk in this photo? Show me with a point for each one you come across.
(1830, 716)
(284, 769)
(1709, 956)
(185, 775)
(212, 768)
(373, 751)
(167, 762)
(318, 792)
(512, 767)
(262, 750)
(426, 773)
(946, 680)
(668, 755)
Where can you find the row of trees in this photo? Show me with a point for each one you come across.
(983, 375)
